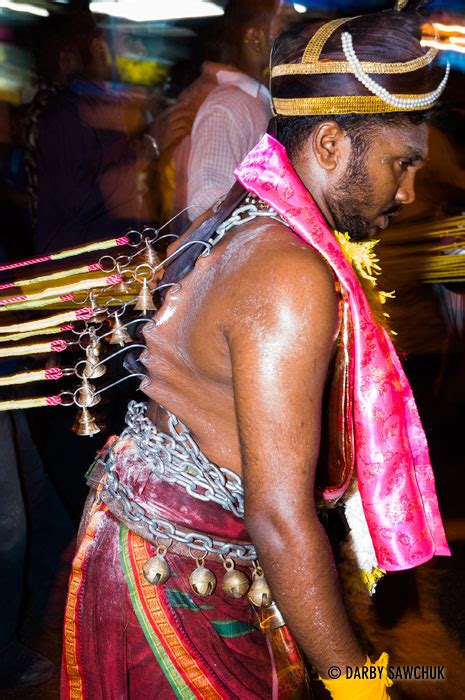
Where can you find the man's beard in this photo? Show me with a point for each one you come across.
(349, 197)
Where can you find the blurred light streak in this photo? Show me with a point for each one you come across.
(148, 12)
(449, 28)
(24, 7)
(443, 45)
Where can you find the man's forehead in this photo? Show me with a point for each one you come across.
(410, 141)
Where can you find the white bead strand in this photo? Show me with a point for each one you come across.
(401, 103)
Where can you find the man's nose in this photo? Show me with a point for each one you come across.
(406, 190)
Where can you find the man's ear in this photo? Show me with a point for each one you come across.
(329, 144)
(255, 38)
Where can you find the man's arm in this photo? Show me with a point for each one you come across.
(281, 336)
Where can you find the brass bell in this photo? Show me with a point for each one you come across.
(85, 423)
(235, 583)
(91, 371)
(120, 336)
(86, 395)
(150, 256)
(156, 569)
(145, 301)
(122, 288)
(202, 580)
(259, 592)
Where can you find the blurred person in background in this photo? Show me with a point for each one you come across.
(219, 117)
(89, 162)
(86, 159)
(236, 114)
(58, 61)
(35, 529)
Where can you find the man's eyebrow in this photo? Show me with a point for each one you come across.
(413, 155)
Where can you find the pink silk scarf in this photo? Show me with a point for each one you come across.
(394, 473)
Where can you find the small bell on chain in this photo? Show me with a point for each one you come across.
(150, 256)
(235, 583)
(122, 288)
(145, 301)
(120, 336)
(85, 424)
(87, 398)
(202, 580)
(91, 371)
(259, 592)
(156, 569)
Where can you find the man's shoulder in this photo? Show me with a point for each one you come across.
(268, 262)
(228, 97)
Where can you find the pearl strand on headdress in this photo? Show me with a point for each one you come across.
(403, 103)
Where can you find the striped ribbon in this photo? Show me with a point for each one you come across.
(45, 331)
(55, 294)
(69, 253)
(35, 348)
(84, 269)
(15, 404)
(38, 375)
(83, 314)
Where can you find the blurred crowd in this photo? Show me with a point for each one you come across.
(90, 156)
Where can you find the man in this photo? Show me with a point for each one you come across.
(241, 352)
(230, 121)
(234, 115)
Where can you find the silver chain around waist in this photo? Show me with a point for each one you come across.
(177, 459)
(176, 446)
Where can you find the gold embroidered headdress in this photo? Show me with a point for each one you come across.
(368, 64)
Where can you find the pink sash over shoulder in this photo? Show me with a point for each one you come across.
(394, 473)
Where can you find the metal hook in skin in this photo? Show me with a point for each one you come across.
(168, 284)
(167, 223)
(165, 235)
(119, 381)
(92, 394)
(181, 249)
(134, 346)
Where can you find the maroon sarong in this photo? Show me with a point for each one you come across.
(126, 638)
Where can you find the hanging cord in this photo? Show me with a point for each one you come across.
(16, 404)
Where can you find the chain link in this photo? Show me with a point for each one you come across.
(250, 210)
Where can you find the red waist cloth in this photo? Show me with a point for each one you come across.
(170, 501)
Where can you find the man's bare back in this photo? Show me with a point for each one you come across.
(240, 353)
(234, 290)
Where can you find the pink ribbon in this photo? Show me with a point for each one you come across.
(395, 477)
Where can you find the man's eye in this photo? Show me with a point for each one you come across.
(404, 164)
